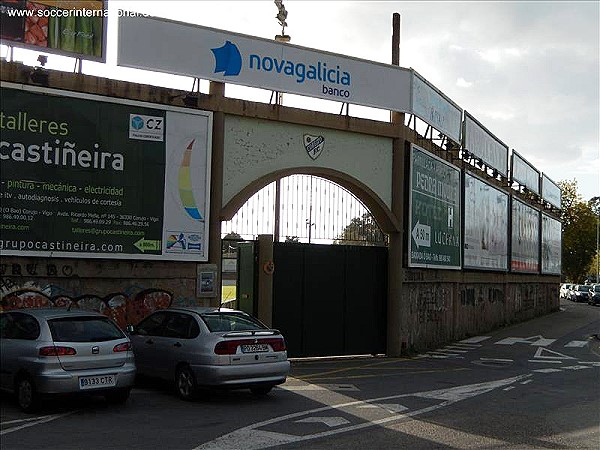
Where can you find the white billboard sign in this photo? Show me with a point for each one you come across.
(486, 226)
(435, 108)
(550, 191)
(191, 50)
(551, 245)
(524, 173)
(484, 145)
(525, 253)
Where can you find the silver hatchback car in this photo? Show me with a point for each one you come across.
(209, 348)
(57, 351)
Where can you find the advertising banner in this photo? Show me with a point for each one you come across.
(524, 173)
(223, 56)
(484, 145)
(93, 177)
(435, 108)
(551, 192)
(435, 211)
(525, 254)
(551, 245)
(486, 226)
(64, 27)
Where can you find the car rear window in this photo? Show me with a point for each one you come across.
(84, 329)
(224, 321)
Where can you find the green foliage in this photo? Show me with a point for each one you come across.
(579, 227)
(362, 231)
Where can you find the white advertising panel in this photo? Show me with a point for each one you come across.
(486, 226)
(524, 173)
(525, 253)
(550, 191)
(484, 145)
(551, 245)
(435, 108)
(207, 53)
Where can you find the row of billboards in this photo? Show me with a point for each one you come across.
(224, 56)
(471, 224)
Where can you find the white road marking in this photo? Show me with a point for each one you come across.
(544, 353)
(444, 352)
(475, 340)
(466, 346)
(576, 367)
(28, 419)
(40, 420)
(331, 422)
(392, 407)
(309, 387)
(340, 387)
(539, 341)
(545, 361)
(253, 438)
(456, 349)
(593, 363)
(577, 344)
(529, 381)
(510, 388)
(547, 370)
(496, 359)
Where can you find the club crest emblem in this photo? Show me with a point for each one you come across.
(314, 145)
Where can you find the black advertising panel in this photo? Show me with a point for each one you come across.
(95, 178)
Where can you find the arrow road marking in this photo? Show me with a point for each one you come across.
(577, 344)
(252, 437)
(331, 422)
(542, 353)
(539, 341)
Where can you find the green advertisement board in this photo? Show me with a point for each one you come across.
(434, 212)
(87, 176)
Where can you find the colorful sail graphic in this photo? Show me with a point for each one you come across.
(185, 185)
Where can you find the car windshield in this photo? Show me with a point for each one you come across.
(229, 321)
(583, 288)
(84, 329)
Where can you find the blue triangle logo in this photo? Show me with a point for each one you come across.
(227, 59)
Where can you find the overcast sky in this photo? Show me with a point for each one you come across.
(528, 71)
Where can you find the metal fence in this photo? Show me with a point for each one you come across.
(311, 210)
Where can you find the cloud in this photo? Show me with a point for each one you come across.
(461, 82)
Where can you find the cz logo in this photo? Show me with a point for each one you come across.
(227, 59)
(146, 128)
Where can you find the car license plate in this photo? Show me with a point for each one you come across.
(96, 382)
(254, 348)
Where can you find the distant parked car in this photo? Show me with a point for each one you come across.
(594, 295)
(57, 351)
(565, 289)
(209, 348)
(580, 293)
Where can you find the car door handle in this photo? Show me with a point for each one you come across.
(149, 341)
(177, 344)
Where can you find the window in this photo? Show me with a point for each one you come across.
(221, 321)
(152, 325)
(18, 325)
(84, 329)
(180, 325)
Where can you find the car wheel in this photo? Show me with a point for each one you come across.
(186, 383)
(27, 396)
(118, 396)
(261, 391)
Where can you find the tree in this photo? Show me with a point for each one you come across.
(292, 239)
(229, 244)
(578, 232)
(362, 231)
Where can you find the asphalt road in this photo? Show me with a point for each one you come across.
(534, 385)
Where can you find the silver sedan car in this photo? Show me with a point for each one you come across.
(57, 351)
(209, 348)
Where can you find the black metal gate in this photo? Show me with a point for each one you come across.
(330, 299)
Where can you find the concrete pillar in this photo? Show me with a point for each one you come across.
(216, 190)
(265, 279)
(396, 332)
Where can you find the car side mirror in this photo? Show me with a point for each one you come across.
(130, 329)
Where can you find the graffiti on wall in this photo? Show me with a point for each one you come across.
(121, 307)
(429, 303)
(473, 296)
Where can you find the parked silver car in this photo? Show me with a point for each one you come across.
(209, 348)
(57, 351)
